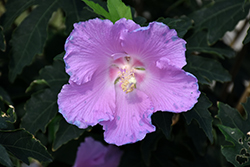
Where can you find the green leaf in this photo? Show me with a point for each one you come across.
(206, 69)
(23, 145)
(181, 25)
(117, 10)
(74, 13)
(247, 38)
(2, 40)
(37, 85)
(98, 9)
(30, 36)
(4, 96)
(14, 8)
(220, 16)
(198, 42)
(231, 117)
(55, 75)
(41, 108)
(163, 120)
(8, 117)
(65, 133)
(59, 57)
(201, 114)
(148, 145)
(4, 157)
(238, 153)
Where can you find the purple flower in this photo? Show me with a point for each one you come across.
(120, 74)
(93, 154)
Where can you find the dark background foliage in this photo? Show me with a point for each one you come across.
(213, 133)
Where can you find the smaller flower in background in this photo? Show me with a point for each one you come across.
(92, 153)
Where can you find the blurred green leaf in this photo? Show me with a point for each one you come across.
(238, 153)
(220, 16)
(37, 85)
(30, 36)
(2, 40)
(8, 117)
(148, 145)
(247, 38)
(117, 10)
(181, 25)
(4, 157)
(198, 42)
(98, 9)
(4, 96)
(41, 108)
(74, 13)
(14, 8)
(231, 117)
(201, 114)
(206, 69)
(23, 145)
(65, 133)
(163, 120)
(59, 56)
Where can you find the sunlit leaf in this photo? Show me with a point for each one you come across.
(29, 37)
(198, 42)
(98, 9)
(4, 157)
(206, 70)
(13, 9)
(8, 117)
(181, 25)
(201, 114)
(22, 144)
(117, 10)
(238, 153)
(65, 133)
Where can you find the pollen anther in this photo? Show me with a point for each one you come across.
(128, 81)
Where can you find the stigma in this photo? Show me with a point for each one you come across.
(127, 78)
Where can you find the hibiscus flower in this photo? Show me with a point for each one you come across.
(120, 74)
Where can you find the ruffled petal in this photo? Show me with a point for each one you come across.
(129, 24)
(89, 48)
(156, 42)
(170, 89)
(89, 103)
(133, 118)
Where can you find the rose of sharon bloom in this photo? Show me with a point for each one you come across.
(120, 74)
(93, 154)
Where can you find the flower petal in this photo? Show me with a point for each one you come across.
(170, 89)
(130, 24)
(155, 42)
(89, 48)
(133, 118)
(90, 153)
(89, 103)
